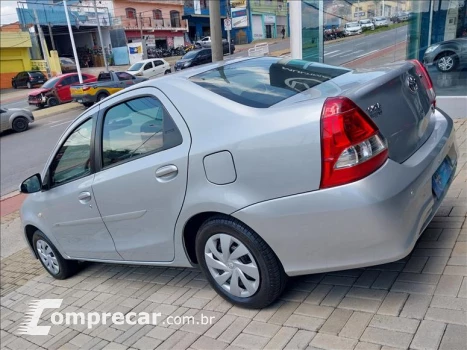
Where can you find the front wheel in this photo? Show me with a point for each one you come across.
(52, 101)
(101, 96)
(51, 259)
(238, 264)
(446, 63)
(20, 124)
(168, 71)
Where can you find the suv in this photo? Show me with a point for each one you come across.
(28, 79)
(366, 24)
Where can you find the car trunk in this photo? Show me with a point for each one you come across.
(398, 103)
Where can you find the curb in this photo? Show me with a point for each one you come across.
(9, 195)
(52, 111)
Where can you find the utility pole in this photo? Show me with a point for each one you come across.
(51, 37)
(295, 9)
(143, 39)
(216, 31)
(100, 37)
(229, 19)
(75, 54)
(43, 45)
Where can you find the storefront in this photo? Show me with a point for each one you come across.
(413, 28)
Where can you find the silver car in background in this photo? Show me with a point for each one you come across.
(253, 170)
(352, 28)
(16, 119)
(380, 22)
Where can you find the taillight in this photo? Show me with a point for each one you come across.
(86, 88)
(351, 145)
(425, 79)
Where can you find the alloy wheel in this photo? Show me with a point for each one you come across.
(446, 63)
(47, 256)
(232, 265)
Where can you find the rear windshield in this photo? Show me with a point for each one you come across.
(263, 82)
(104, 77)
(36, 74)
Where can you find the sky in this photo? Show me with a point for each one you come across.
(8, 12)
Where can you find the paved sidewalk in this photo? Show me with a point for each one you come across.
(419, 302)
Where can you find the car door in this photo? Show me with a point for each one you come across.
(141, 186)
(148, 70)
(23, 79)
(68, 206)
(4, 120)
(125, 79)
(61, 88)
(158, 68)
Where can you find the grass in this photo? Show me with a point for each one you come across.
(384, 29)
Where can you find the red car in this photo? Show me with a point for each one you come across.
(57, 90)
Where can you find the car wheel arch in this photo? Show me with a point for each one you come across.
(29, 231)
(446, 52)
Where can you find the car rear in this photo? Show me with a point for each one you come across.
(36, 78)
(387, 159)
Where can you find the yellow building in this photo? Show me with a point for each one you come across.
(14, 54)
(371, 8)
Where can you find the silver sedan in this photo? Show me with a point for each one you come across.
(252, 170)
(17, 119)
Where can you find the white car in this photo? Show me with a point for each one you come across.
(204, 42)
(380, 22)
(366, 23)
(150, 68)
(352, 28)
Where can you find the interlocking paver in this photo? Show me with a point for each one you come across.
(331, 342)
(356, 325)
(392, 323)
(300, 340)
(428, 336)
(393, 304)
(387, 337)
(336, 321)
(454, 338)
(447, 316)
(281, 338)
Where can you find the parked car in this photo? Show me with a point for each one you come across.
(447, 55)
(194, 58)
(352, 28)
(28, 79)
(57, 90)
(67, 65)
(17, 119)
(400, 17)
(366, 23)
(380, 22)
(107, 84)
(251, 170)
(206, 43)
(150, 68)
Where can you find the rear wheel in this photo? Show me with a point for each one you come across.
(240, 266)
(29, 85)
(101, 96)
(447, 62)
(53, 101)
(20, 124)
(87, 104)
(40, 106)
(51, 259)
(14, 85)
(168, 71)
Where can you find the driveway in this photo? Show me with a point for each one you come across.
(419, 302)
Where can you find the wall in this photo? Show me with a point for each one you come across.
(14, 55)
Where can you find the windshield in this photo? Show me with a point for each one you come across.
(135, 67)
(51, 83)
(365, 21)
(380, 19)
(353, 24)
(190, 55)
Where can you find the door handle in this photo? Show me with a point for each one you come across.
(166, 173)
(84, 197)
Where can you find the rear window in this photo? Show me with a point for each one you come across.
(104, 77)
(36, 74)
(263, 82)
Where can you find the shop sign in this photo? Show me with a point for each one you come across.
(238, 3)
(269, 19)
(239, 18)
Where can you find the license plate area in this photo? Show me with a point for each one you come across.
(442, 177)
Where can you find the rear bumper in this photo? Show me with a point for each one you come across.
(84, 98)
(372, 221)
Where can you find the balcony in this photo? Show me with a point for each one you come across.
(162, 2)
(151, 24)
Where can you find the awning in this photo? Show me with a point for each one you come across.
(198, 16)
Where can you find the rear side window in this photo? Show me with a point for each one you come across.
(124, 76)
(104, 77)
(264, 82)
(136, 128)
(36, 74)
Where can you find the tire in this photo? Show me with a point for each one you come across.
(266, 281)
(14, 85)
(20, 124)
(52, 101)
(101, 96)
(40, 106)
(88, 104)
(51, 259)
(167, 72)
(29, 85)
(446, 62)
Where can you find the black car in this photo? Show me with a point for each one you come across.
(28, 79)
(447, 55)
(194, 58)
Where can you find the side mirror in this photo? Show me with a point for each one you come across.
(31, 184)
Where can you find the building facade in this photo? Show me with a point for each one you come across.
(268, 18)
(160, 22)
(196, 12)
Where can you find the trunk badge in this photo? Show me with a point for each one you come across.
(375, 110)
(412, 83)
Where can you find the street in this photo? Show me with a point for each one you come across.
(24, 154)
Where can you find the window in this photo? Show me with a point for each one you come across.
(148, 66)
(135, 128)
(204, 4)
(73, 159)
(157, 14)
(158, 63)
(130, 13)
(124, 76)
(175, 19)
(67, 81)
